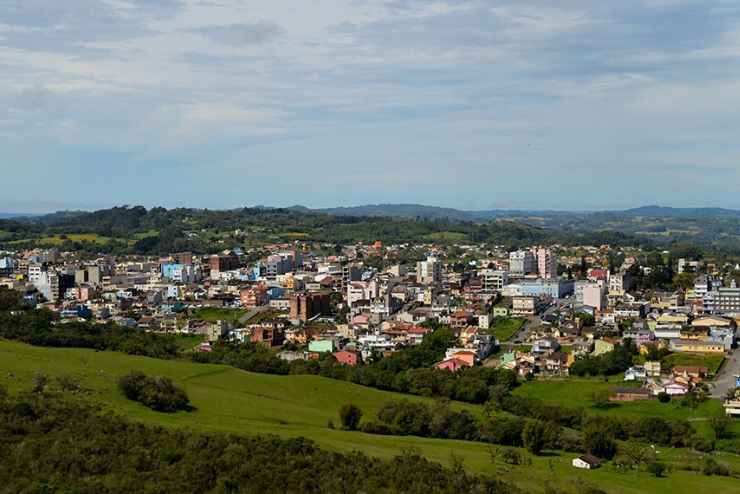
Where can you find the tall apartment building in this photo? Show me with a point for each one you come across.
(494, 280)
(429, 272)
(224, 262)
(92, 275)
(723, 300)
(522, 262)
(547, 263)
(309, 305)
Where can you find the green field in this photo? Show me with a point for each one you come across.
(230, 400)
(711, 362)
(213, 314)
(575, 393)
(57, 240)
(504, 329)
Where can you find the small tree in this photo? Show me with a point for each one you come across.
(536, 435)
(599, 442)
(601, 399)
(721, 427)
(664, 397)
(350, 416)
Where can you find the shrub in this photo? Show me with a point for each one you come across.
(664, 397)
(377, 428)
(157, 393)
(712, 467)
(537, 434)
(599, 442)
(350, 416)
(721, 427)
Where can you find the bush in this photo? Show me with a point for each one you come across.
(664, 397)
(157, 393)
(721, 427)
(537, 435)
(377, 428)
(599, 442)
(350, 416)
(712, 467)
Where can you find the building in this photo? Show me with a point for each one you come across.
(91, 275)
(346, 357)
(224, 262)
(429, 272)
(522, 262)
(527, 306)
(547, 263)
(587, 462)
(594, 295)
(494, 280)
(722, 300)
(304, 307)
(696, 346)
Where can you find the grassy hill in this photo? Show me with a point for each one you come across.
(231, 400)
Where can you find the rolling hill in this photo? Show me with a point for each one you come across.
(230, 400)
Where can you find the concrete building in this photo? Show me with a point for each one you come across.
(429, 272)
(309, 305)
(723, 300)
(547, 263)
(494, 280)
(594, 295)
(522, 262)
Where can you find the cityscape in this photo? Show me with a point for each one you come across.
(369, 246)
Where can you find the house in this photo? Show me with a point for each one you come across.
(346, 357)
(629, 394)
(587, 462)
(635, 373)
(690, 371)
(652, 368)
(452, 365)
(601, 347)
(676, 389)
(321, 346)
(695, 346)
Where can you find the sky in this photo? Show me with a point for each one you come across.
(474, 104)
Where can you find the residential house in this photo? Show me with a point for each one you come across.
(452, 365)
(587, 462)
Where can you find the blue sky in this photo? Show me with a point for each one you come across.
(472, 104)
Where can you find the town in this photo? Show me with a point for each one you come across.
(544, 312)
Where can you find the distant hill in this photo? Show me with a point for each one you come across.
(668, 212)
(421, 211)
(7, 216)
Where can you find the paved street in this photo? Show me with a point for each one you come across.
(726, 378)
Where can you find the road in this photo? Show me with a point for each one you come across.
(725, 379)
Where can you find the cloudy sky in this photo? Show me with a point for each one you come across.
(465, 103)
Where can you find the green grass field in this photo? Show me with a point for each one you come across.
(504, 329)
(213, 314)
(230, 400)
(711, 362)
(575, 393)
(57, 240)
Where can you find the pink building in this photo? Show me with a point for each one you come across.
(547, 263)
(346, 357)
(594, 295)
(452, 365)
